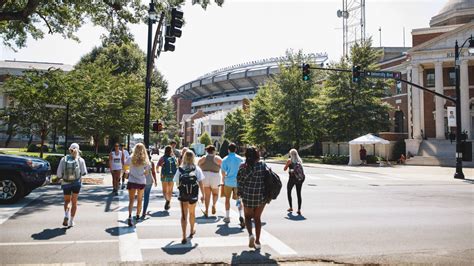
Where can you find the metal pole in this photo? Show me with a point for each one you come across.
(146, 122)
(67, 123)
(459, 174)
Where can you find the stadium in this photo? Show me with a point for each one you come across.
(222, 90)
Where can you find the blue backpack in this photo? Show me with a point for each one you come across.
(169, 166)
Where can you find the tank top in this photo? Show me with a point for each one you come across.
(210, 165)
(116, 161)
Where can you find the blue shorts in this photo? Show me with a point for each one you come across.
(68, 190)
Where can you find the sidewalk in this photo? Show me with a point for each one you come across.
(399, 169)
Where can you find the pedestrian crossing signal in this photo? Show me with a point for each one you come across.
(306, 72)
(356, 74)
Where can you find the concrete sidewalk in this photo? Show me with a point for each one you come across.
(399, 169)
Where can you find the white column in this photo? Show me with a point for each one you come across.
(409, 97)
(439, 101)
(465, 115)
(422, 100)
(416, 103)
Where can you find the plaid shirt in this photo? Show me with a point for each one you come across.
(250, 184)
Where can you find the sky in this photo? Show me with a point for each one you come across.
(247, 30)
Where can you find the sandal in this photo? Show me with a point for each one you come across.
(192, 234)
(130, 223)
(184, 241)
(213, 210)
(258, 246)
(251, 241)
(290, 210)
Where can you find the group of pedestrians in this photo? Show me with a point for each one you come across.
(234, 177)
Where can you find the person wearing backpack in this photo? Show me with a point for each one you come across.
(189, 181)
(168, 164)
(296, 178)
(71, 169)
(251, 188)
(140, 167)
(115, 166)
(211, 166)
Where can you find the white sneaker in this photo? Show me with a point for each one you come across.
(71, 222)
(251, 241)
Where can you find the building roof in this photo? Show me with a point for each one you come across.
(454, 12)
(30, 65)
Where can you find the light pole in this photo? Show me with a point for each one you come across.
(146, 123)
(459, 174)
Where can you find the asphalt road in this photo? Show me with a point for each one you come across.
(374, 216)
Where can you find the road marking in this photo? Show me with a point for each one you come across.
(6, 212)
(159, 222)
(129, 245)
(392, 177)
(363, 177)
(37, 243)
(312, 177)
(335, 176)
(201, 242)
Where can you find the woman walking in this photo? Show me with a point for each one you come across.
(210, 166)
(115, 165)
(70, 170)
(150, 181)
(139, 169)
(251, 188)
(168, 164)
(292, 180)
(189, 181)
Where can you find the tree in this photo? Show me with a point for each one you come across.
(21, 18)
(205, 139)
(348, 110)
(32, 92)
(235, 126)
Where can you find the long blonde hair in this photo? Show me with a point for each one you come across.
(140, 156)
(74, 153)
(188, 159)
(295, 158)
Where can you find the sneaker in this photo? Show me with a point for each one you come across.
(116, 193)
(258, 246)
(66, 221)
(251, 241)
(123, 186)
(290, 210)
(184, 241)
(143, 217)
(226, 220)
(167, 205)
(137, 217)
(242, 222)
(71, 223)
(130, 222)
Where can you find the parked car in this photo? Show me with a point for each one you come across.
(19, 175)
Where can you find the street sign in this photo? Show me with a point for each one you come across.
(55, 106)
(383, 74)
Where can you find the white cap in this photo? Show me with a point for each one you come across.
(74, 146)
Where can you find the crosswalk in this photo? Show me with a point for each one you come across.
(133, 241)
(356, 177)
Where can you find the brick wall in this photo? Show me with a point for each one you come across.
(422, 38)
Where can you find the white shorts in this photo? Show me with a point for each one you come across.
(211, 179)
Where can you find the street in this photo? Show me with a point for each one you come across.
(349, 215)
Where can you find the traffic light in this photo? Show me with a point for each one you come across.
(306, 72)
(173, 31)
(356, 74)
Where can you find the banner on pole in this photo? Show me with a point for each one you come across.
(451, 116)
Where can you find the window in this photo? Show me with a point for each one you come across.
(451, 77)
(430, 78)
(399, 87)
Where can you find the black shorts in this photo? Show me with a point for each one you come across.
(191, 201)
(72, 189)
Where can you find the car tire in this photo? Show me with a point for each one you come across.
(12, 188)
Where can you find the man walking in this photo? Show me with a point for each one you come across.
(229, 168)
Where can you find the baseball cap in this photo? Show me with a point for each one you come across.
(74, 146)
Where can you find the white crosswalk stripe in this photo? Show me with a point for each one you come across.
(336, 176)
(362, 177)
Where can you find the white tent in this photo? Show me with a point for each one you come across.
(354, 147)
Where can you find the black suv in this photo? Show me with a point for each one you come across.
(19, 175)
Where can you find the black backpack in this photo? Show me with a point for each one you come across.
(272, 184)
(298, 172)
(188, 185)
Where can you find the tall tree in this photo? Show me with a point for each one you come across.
(348, 110)
(22, 18)
(235, 126)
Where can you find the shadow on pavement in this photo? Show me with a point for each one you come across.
(292, 217)
(208, 220)
(252, 257)
(115, 231)
(225, 230)
(47, 234)
(467, 180)
(174, 248)
(160, 214)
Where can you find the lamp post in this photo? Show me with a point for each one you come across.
(459, 174)
(146, 127)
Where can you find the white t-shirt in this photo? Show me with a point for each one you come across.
(198, 171)
(137, 173)
(126, 155)
(116, 160)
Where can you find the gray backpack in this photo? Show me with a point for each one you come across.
(72, 172)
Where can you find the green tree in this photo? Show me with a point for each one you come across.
(32, 93)
(205, 139)
(235, 126)
(22, 18)
(348, 110)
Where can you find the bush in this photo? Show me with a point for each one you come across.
(32, 148)
(372, 159)
(45, 148)
(54, 161)
(205, 139)
(335, 159)
(398, 149)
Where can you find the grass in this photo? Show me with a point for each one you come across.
(307, 159)
(22, 151)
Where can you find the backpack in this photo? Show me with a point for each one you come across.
(169, 166)
(188, 185)
(272, 184)
(72, 172)
(298, 172)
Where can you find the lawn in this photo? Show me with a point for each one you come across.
(22, 151)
